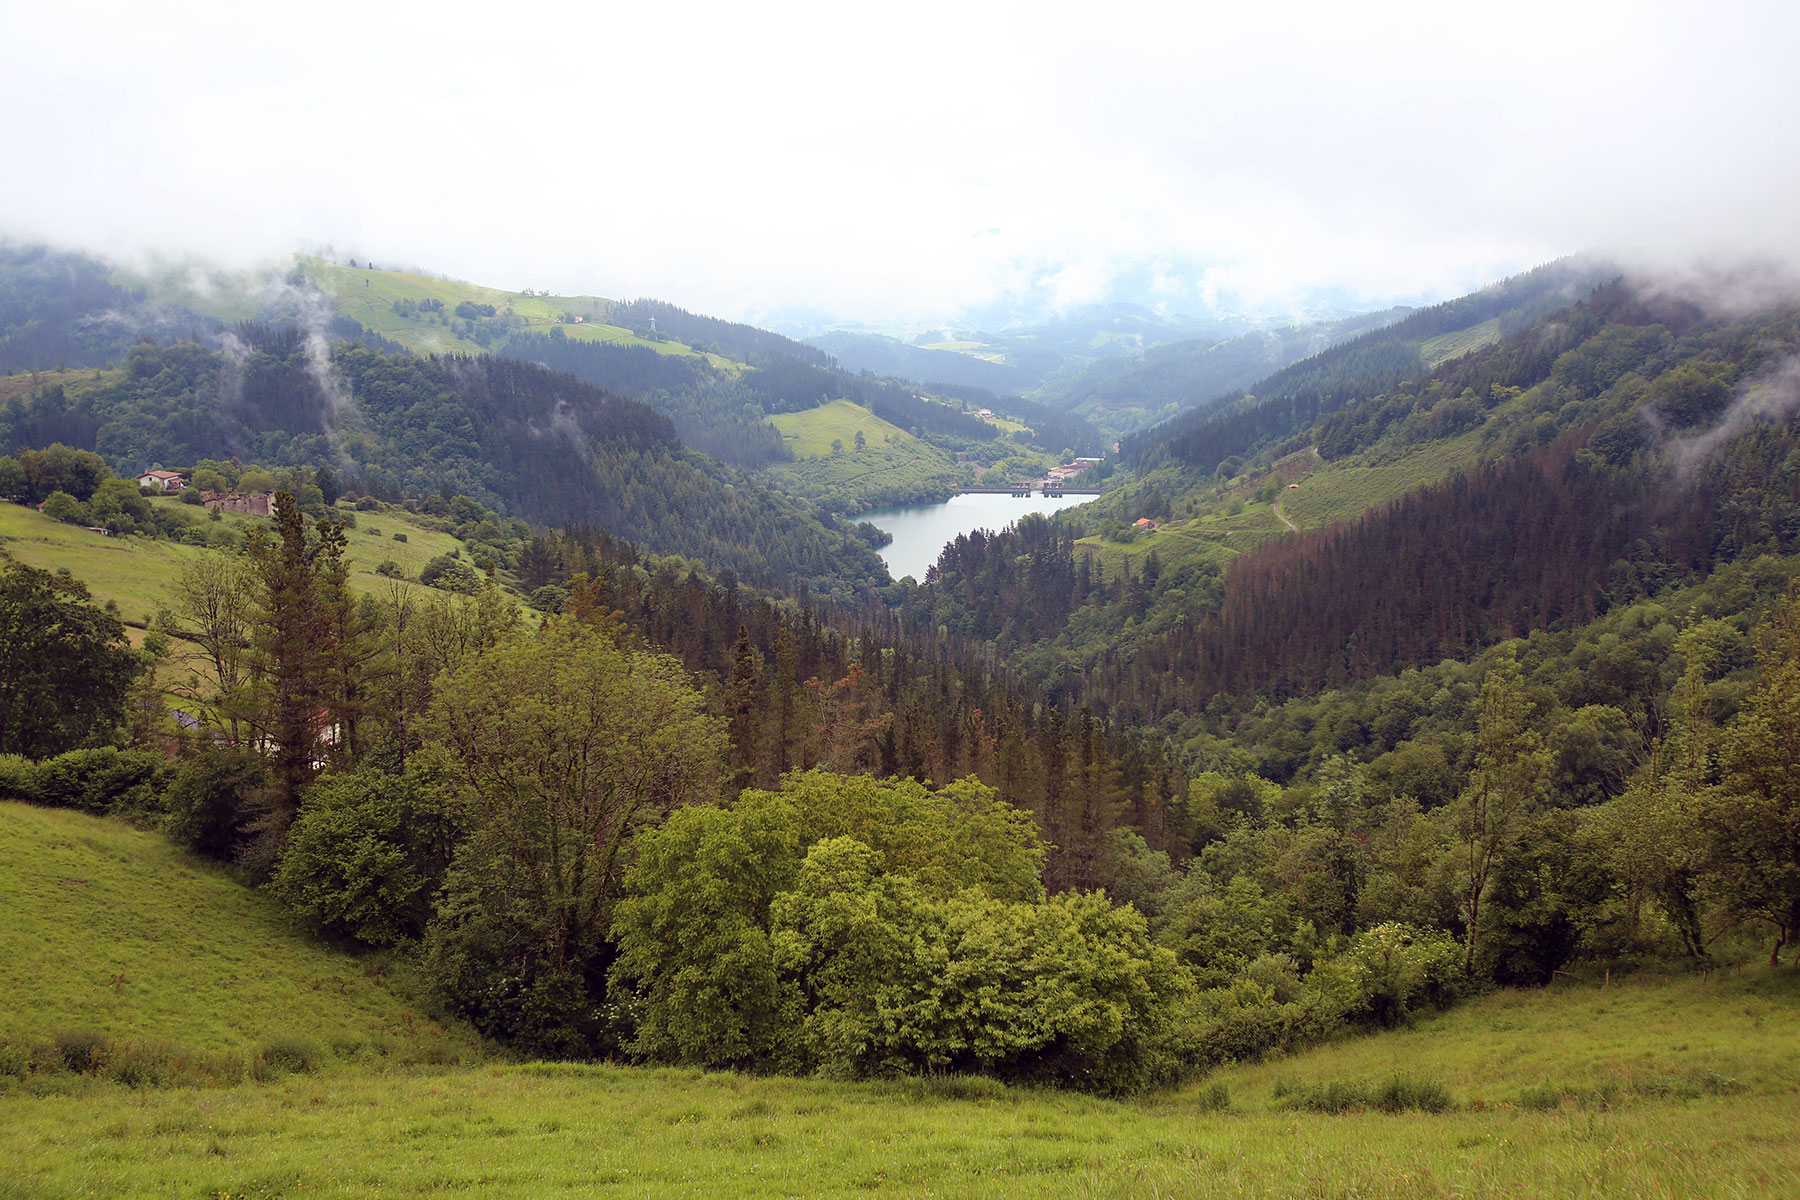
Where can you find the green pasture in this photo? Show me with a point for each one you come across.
(1446, 346)
(368, 297)
(117, 931)
(138, 573)
(1665, 1122)
(809, 434)
(981, 350)
(615, 335)
(1207, 530)
(1343, 491)
(1630, 1085)
(1006, 424)
(134, 573)
(24, 383)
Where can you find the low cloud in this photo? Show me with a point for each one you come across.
(1771, 397)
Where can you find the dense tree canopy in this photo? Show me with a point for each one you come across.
(65, 667)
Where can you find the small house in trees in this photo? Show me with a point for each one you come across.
(168, 481)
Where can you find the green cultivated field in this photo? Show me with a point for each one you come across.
(1687, 1088)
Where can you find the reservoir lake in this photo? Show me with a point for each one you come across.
(921, 530)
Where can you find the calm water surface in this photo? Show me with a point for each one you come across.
(920, 530)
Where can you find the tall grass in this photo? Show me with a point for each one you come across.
(119, 942)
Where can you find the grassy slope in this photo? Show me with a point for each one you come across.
(74, 382)
(1328, 493)
(1446, 346)
(367, 296)
(138, 573)
(1627, 1087)
(892, 466)
(809, 434)
(116, 930)
(1686, 1090)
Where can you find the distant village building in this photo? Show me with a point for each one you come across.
(1146, 523)
(987, 412)
(168, 481)
(255, 504)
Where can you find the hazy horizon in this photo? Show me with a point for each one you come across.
(883, 168)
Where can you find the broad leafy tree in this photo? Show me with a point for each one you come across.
(1504, 791)
(1751, 821)
(569, 743)
(65, 667)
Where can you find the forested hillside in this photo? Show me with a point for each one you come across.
(1292, 400)
(1566, 448)
(64, 310)
(522, 440)
(1129, 392)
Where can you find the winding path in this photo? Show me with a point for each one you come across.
(1318, 458)
(1284, 518)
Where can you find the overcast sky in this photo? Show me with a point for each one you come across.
(896, 162)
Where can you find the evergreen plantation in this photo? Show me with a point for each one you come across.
(668, 770)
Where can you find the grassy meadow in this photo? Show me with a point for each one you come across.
(1219, 528)
(893, 467)
(1631, 1086)
(117, 932)
(138, 573)
(1446, 346)
(809, 434)
(368, 296)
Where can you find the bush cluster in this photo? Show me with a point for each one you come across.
(102, 781)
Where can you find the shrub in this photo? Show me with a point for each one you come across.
(211, 798)
(390, 569)
(289, 1055)
(1214, 1098)
(17, 1058)
(148, 1064)
(65, 508)
(82, 1050)
(399, 537)
(101, 780)
(1541, 1098)
(1333, 1096)
(18, 778)
(954, 1087)
(549, 598)
(450, 574)
(1399, 1093)
(369, 851)
(1395, 969)
(1403, 1093)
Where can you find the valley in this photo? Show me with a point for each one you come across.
(1379, 757)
